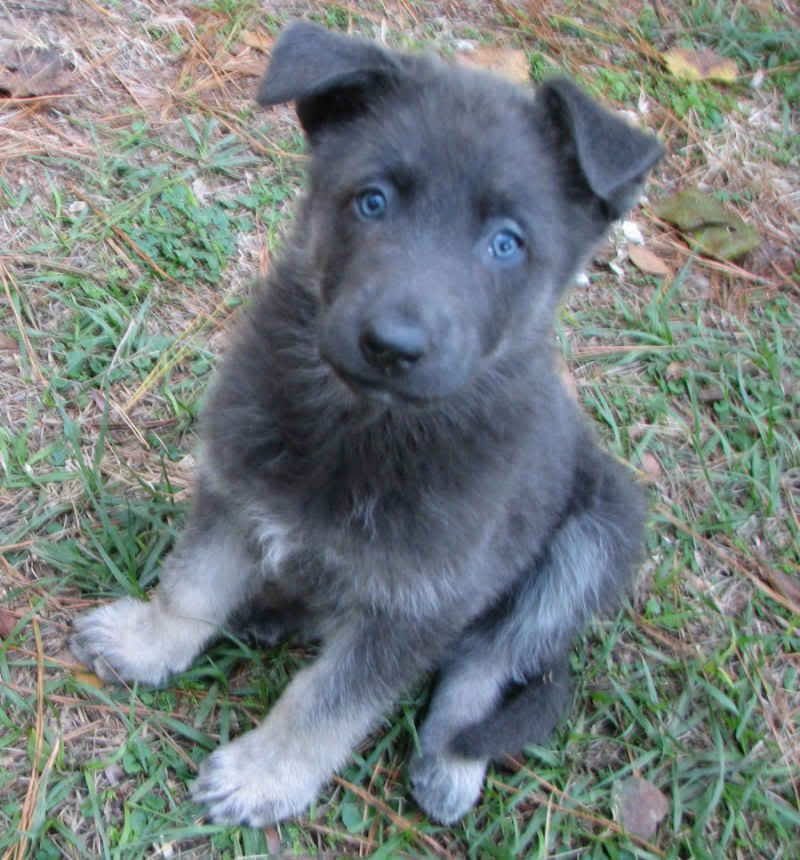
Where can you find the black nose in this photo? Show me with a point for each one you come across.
(393, 345)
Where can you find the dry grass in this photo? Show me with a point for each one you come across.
(111, 316)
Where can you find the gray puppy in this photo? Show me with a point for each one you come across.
(389, 462)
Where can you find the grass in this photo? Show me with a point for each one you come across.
(133, 219)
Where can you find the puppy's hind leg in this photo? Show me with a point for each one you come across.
(508, 685)
(475, 707)
(206, 578)
(445, 782)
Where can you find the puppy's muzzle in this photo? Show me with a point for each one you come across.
(393, 345)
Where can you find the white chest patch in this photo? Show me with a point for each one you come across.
(274, 540)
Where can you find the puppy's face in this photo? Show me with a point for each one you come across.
(447, 207)
(436, 224)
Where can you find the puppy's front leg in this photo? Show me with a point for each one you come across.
(276, 770)
(204, 580)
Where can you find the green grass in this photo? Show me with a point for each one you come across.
(126, 253)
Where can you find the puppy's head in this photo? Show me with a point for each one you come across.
(447, 209)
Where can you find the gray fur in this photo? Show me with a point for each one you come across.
(390, 464)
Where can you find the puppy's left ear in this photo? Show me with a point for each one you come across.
(611, 156)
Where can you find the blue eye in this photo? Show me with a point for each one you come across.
(371, 203)
(505, 245)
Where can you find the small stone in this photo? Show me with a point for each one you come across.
(632, 233)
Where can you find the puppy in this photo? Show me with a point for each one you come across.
(389, 463)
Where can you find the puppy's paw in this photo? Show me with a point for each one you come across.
(125, 641)
(250, 781)
(446, 786)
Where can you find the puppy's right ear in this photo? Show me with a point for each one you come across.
(329, 76)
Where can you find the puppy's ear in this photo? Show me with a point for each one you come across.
(329, 76)
(611, 157)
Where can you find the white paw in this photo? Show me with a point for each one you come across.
(251, 781)
(446, 786)
(130, 640)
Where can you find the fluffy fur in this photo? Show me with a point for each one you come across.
(389, 463)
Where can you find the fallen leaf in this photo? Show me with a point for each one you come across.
(703, 65)
(788, 585)
(114, 773)
(640, 806)
(88, 678)
(509, 62)
(711, 227)
(691, 209)
(258, 39)
(711, 394)
(675, 370)
(8, 621)
(8, 343)
(246, 63)
(650, 465)
(648, 262)
(28, 70)
(727, 241)
(273, 840)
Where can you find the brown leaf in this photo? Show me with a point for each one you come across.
(28, 70)
(711, 394)
(511, 63)
(675, 370)
(8, 621)
(273, 840)
(650, 466)
(703, 65)
(258, 39)
(648, 262)
(246, 63)
(8, 343)
(788, 585)
(640, 806)
(88, 678)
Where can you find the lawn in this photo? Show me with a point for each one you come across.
(141, 194)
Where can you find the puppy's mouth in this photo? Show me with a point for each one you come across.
(377, 390)
(373, 389)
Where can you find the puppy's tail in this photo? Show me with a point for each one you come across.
(527, 715)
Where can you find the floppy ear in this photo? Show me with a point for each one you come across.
(610, 155)
(329, 76)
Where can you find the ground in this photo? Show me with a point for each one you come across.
(141, 192)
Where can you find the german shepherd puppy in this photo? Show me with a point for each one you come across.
(389, 462)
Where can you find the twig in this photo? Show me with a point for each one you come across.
(121, 234)
(727, 268)
(669, 641)
(48, 262)
(10, 547)
(569, 810)
(6, 278)
(731, 560)
(168, 360)
(29, 803)
(97, 8)
(360, 841)
(396, 819)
